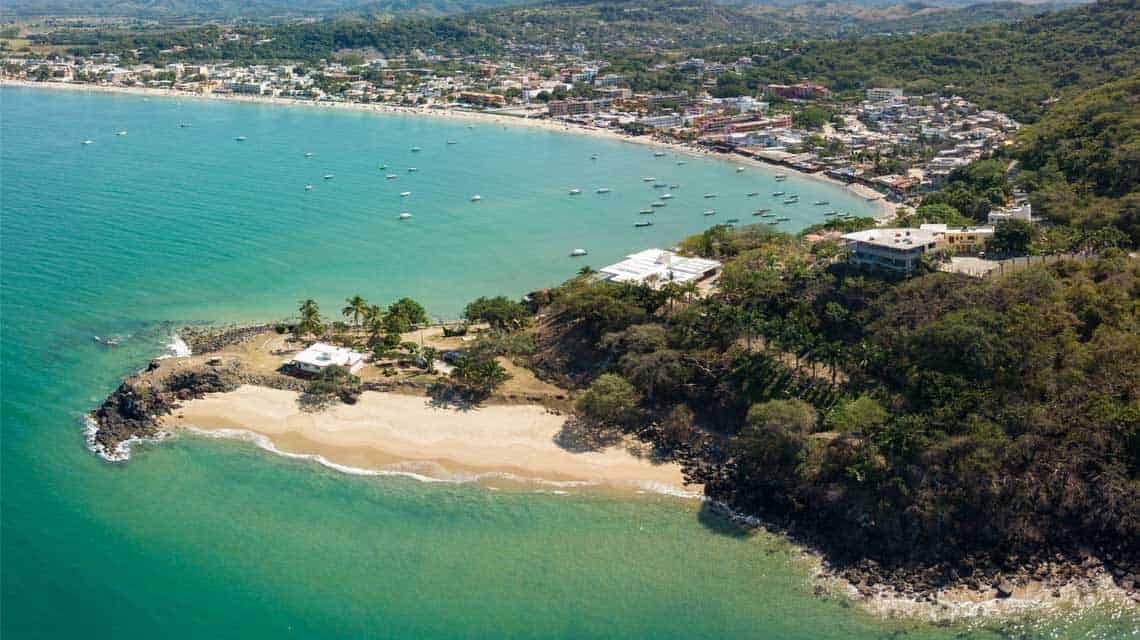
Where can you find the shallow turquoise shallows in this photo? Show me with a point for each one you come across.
(134, 234)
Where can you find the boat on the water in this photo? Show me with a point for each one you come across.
(680, 162)
(578, 253)
(767, 215)
(476, 198)
(658, 154)
(710, 195)
(121, 132)
(328, 176)
(602, 190)
(830, 213)
(777, 194)
(783, 219)
(240, 138)
(648, 179)
(405, 215)
(184, 125)
(415, 149)
(646, 212)
(452, 142)
(780, 177)
(593, 156)
(308, 187)
(821, 202)
(405, 194)
(382, 167)
(666, 196)
(391, 176)
(659, 185)
(710, 212)
(647, 223)
(791, 201)
(657, 204)
(740, 169)
(763, 210)
(308, 154)
(773, 222)
(575, 192)
(674, 186)
(89, 141)
(732, 220)
(412, 169)
(752, 194)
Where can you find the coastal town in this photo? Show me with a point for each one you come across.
(887, 143)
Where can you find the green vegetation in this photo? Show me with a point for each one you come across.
(500, 312)
(1082, 161)
(942, 418)
(332, 382)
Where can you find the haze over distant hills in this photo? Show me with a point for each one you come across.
(233, 9)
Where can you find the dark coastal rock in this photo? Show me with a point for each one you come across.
(1004, 589)
(209, 339)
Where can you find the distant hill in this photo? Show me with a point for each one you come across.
(232, 9)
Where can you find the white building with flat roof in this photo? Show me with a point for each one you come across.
(320, 356)
(891, 249)
(656, 267)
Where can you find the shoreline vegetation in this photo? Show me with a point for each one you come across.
(523, 434)
(885, 210)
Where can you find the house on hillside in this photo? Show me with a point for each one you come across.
(320, 356)
(655, 267)
(898, 250)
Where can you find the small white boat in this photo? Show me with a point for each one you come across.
(647, 223)
(674, 186)
(405, 215)
(328, 176)
(415, 149)
(578, 253)
(752, 194)
(777, 194)
(680, 162)
(391, 176)
(657, 204)
(658, 154)
(413, 169)
(710, 195)
(593, 156)
(646, 212)
(740, 169)
(830, 213)
(476, 198)
(666, 196)
(451, 142)
(241, 138)
(88, 141)
(405, 194)
(575, 192)
(184, 125)
(649, 179)
(308, 187)
(783, 219)
(821, 202)
(791, 200)
(780, 177)
(121, 132)
(603, 190)
(382, 167)
(308, 154)
(710, 212)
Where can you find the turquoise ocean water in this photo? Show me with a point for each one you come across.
(133, 234)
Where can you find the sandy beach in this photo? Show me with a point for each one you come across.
(406, 433)
(886, 210)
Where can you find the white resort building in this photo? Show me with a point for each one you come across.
(656, 267)
(320, 356)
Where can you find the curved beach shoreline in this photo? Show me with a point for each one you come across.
(885, 210)
(393, 432)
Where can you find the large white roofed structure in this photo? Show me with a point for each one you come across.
(656, 267)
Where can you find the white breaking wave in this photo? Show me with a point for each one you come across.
(176, 348)
(122, 451)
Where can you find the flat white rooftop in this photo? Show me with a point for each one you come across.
(901, 239)
(641, 267)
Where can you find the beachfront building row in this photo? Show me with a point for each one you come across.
(657, 267)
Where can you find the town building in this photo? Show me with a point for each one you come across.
(558, 108)
(1023, 211)
(961, 239)
(879, 94)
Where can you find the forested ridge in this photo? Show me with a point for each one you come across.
(943, 421)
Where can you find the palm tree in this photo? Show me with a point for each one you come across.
(310, 318)
(356, 307)
(374, 321)
(586, 271)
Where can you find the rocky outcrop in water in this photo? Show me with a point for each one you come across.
(210, 339)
